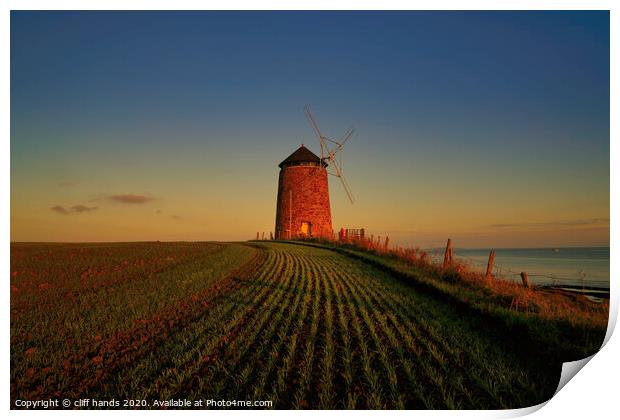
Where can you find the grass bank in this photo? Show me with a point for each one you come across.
(539, 320)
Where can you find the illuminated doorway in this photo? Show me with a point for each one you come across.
(306, 228)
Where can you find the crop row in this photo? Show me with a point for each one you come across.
(310, 328)
(67, 332)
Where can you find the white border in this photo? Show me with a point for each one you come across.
(591, 395)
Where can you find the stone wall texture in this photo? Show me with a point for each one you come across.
(305, 190)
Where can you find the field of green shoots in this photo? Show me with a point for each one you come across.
(303, 327)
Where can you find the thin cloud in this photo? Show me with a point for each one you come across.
(130, 198)
(78, 208)
(60, 210)
(175, 217)
(580, 222)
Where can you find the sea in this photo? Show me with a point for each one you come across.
(582, 267)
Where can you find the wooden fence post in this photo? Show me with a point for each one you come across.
(257, 236)
(447, 257)
(387, 242)
(490, 264)
(271, 236)
(525, 279)
(263, 237)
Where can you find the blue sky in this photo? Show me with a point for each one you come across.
(465, 121)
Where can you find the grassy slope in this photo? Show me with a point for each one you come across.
(306, 327)
(565, 334)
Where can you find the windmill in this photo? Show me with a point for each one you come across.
(331, 151)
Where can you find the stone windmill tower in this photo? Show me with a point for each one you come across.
(303, 197)
(303, 208)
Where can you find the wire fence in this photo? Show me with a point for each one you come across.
(506, 272)
(498, 271)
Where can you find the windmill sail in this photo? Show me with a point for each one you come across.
(331, 151)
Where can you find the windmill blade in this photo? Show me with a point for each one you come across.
(313, 123)
(346, 137)
(346, 188)
(332, 153)
(339, 145)
(331, 141)
(317, 131)
(340, 175)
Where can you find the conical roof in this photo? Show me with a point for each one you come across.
(301, 155)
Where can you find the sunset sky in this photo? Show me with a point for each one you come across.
(489, 128)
